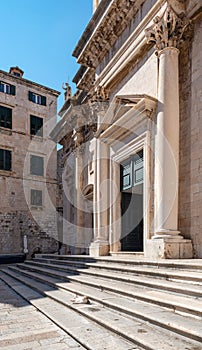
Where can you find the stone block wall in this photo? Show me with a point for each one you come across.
(190, 190)
(17, 216)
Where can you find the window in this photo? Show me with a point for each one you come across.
(36, 125)
(36, 198)
(138, 168)
(7, 88)
(36, 165)
(132, 171)
(16, 74)
(40, 100)
(5, 160)
(5, 117)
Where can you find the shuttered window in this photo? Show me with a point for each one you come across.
(36, 165)
(36, 126)
(5, 160)
(35, 98)
(36, 198)
(7, 88)
(5, 117)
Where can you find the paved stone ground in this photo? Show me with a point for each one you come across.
(22, 327)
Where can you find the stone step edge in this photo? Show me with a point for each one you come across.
(175, 264)
(183, 308)
(167, 326)
(134, 279)
(181, 331)
(146, 272)
(101, 322)
(93, 319)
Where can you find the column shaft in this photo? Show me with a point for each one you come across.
(167, 144)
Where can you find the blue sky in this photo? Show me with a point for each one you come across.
(39, 37)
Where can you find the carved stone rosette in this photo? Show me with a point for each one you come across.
(168, 30)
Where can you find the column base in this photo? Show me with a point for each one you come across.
(169, 248)
(99, 248)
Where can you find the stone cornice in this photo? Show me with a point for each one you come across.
(114, 21)
(94, 22)
(87, 79)
(131, 51)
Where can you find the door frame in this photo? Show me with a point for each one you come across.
(142, 142)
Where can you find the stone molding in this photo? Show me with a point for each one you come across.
(108, 30)
(169, 30)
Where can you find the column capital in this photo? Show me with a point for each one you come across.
(169, 30)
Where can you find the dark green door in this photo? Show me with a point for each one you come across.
(132, 204)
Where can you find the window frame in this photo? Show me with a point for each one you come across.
(33, 199)
(7, 88)
(33, 167)
(37, 98)
(7, 117)
(5, 159)
(38, 129)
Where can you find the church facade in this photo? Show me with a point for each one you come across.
(132, 134)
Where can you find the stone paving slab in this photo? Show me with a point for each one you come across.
(22, 327)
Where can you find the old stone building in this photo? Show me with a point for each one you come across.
(28, 162)
(132, 134)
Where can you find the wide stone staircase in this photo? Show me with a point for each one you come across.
(133, 303)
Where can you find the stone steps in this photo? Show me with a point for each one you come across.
(191, 306)
(148, 281)
(128, 300)
(182, 264)
(144, 311)
(146, 269)
(86, 332)
(99, 322)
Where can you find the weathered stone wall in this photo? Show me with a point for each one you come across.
(190, 190)
(17, 216)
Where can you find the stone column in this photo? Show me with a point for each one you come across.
(100, 245)
(80, 231)
(167, 145)
(167, 32)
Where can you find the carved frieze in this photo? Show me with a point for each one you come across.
(113, 24)
(168, 30)
(99, 95)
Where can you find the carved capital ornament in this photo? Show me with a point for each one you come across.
(168, 30)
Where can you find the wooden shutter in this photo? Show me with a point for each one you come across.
(30, 95)
(12, 90)
(36, 165)
(1, 87)
(7, 160)
(43, 100)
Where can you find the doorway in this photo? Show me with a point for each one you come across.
(132, 204)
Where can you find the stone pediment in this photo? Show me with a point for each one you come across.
(123, 114)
